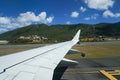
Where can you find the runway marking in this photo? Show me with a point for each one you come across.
(110, 74)
(118, 72)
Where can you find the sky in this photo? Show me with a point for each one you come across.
(19, 13)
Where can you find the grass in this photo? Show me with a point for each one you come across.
(96, 51)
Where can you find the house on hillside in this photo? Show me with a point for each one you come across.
(33, 38)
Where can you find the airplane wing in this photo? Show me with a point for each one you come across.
(35, 64)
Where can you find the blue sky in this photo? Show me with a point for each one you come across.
(18, 13)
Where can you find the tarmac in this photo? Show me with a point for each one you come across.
(94, 69)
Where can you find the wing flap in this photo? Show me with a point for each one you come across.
(68, 60)
(73, 51)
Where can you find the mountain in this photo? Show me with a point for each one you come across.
(64, 32)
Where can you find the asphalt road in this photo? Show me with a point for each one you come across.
(90, 69)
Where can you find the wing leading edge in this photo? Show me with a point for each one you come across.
(35, 64)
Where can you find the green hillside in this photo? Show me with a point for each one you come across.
(64, 32)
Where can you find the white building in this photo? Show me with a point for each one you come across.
(3, 42)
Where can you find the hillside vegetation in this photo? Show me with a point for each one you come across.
(64, 32)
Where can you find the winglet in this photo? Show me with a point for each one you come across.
(76, 37)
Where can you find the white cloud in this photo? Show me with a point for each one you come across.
(74, 14)
(49, 19)
(42, 15)
(117, 14)
(93, 17)
(87, 18)
(4, 20)
(3, 30)
(82, 9)
(24, 19)
(68, 22)
(27, 17)
(99, 4)
(31, 17)
(108, 13)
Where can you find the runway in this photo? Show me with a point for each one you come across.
(94, 69)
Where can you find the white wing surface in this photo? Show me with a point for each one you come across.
(35, 64)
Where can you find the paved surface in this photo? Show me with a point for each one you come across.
(91, 69)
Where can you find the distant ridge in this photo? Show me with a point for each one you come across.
(64, 32)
